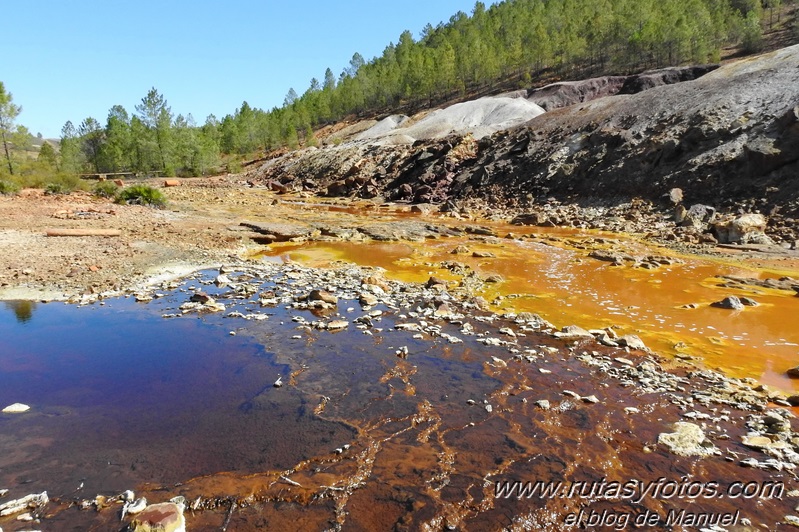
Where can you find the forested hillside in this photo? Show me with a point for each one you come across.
(513, 44)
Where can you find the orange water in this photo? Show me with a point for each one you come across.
(565, 286)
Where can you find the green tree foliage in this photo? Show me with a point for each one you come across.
(48, 156)
(8, 115)
(156, 116)
(513, 42)
(92, 138)
(521, 39)
(71, 154)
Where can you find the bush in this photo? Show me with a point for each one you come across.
(8, 187)
(234, 167)
(142, 195)
(105, 189)
(57, 188)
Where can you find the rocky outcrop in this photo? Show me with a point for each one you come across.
(728, 139)
(565, 93)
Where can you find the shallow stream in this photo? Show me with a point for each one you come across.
(377, 428)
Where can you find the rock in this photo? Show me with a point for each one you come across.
(494, 278)
(590, 399)
(279, 231)
(443, 311)
(609, 256)
(760, 442)
(134, 507)
(423, 208)
(374, 280)
(222, 280)
(483, 255)
(698, 215)
(745, 229)
(748, 302)
(543, 404)
(791, 520)
(200, 297)
(16, 408)
(792, 400)
(171, 183)
(367, 300)
(632, 341)
(566, 93)
(34, 500)
(461, 250)
(480, 230)
(322, 295)
(675, 195)
(573, 331)
(535, 218)
(686, 440)
(793, 372)
(730, 302)
(435, 281)
(163, 517)
(336, 325)
(679, 214)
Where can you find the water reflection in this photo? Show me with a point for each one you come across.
(23, 310)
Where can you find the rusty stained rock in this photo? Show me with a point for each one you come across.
(162, 517)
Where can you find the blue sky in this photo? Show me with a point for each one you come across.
(71, 60)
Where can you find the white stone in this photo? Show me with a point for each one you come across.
(16, 408)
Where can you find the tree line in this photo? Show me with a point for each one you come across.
(517, 42)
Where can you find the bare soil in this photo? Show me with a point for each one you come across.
(153, 242)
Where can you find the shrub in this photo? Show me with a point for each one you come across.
(57, 188)
(8, 187)
(234, 167)
(142, 195)
(105, 189)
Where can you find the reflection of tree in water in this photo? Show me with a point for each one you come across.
(22, 309)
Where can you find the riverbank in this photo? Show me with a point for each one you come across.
(409, 406)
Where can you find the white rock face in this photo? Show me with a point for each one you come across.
(480, 117)
(16, 408)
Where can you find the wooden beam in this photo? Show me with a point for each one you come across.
(83, 232)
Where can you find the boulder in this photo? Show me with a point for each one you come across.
(631, 341)
(686, 440)
(163, 517)
(698, 215)
(730, 302)
(745, 229)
